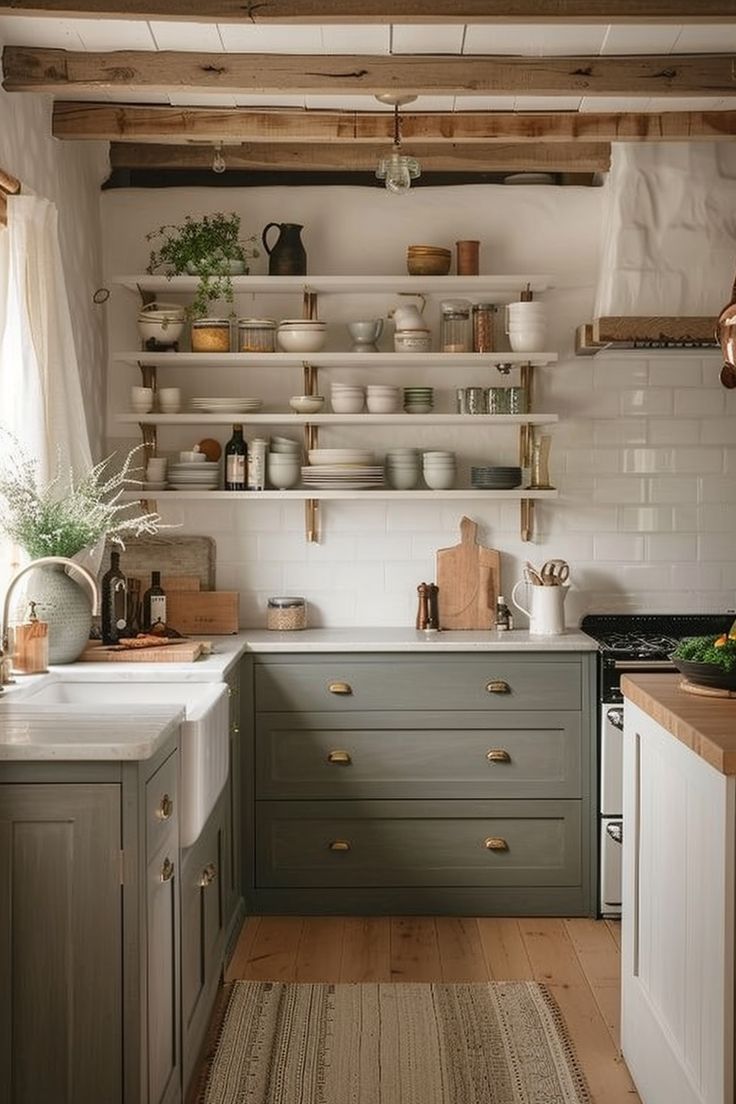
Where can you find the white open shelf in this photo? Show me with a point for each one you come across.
(377, 285)
(334, 360)
(465, 493)
(285, 419)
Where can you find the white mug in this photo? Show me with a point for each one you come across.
(141, 399)
(547, 613)
(169, 399)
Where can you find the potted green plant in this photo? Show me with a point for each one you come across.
(210, 248)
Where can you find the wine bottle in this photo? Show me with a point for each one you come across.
(154, 605)
(114, 602)
(236, 458)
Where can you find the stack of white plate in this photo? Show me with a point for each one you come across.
(194, 477)
(343, 477)
(418, 400)
(207, 405)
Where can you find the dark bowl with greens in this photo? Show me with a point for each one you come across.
(707, 660)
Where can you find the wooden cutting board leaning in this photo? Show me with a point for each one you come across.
(186, 651)
(468, 577)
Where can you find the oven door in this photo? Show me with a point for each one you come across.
(611, 849)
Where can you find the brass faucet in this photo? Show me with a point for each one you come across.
(87, 577)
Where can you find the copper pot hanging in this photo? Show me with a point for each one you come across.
(726, 337)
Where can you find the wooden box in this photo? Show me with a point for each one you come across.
(203, 613)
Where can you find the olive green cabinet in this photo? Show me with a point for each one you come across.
(453, 783)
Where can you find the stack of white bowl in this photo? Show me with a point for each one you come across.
(347, 398)
(526, 326)
(161, 322)
(284, 463)
(155, 474)
(301, 335)
(382, 398)
(403, 466)
(439, 470)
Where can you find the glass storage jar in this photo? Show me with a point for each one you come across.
(256, 335)
(483, 327)
(455, 330)
(286, 614)
(211, 335)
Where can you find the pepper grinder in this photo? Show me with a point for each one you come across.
(423, 608)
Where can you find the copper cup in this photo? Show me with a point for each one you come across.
(468, 256)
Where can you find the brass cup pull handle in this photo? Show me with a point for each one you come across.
(498, 755)
(167, 870)
(498, 686)
(340, 845)
(496, 843)
(208, 875)
(165, 808)
(342, 757)
(340, 688)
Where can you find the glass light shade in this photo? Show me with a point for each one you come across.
(398, 171)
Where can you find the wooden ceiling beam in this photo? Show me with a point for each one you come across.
(179, 125)
(387, 11)
(31, 69)
(299, 157)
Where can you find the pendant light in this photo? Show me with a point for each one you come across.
(397, 170)
(218, 159)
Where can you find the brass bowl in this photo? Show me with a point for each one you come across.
(428, 264)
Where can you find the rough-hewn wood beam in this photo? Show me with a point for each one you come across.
(557, 157)
(388, 11)
(137, 123)
(59, 71)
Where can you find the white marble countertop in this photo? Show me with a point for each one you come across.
(261, 641)
(64, 732)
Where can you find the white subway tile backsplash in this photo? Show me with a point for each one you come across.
(672, 489)
(648, 401)
(672, 372)
(621, 488)
(598, 460)
(643, 461)
(720, 431)
(645, 519)
(699, 402)
(674, 431)
(619, 547)
(282, 547)
(716, 546)
(624, 373)
(383, 547)
(621, 431)
(670, 547)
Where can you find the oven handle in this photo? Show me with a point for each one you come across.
(643, 665)
(616, 831)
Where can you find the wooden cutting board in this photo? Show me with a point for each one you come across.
(186, 652)
(468, 577)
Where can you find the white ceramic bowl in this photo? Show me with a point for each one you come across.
(439, 481)
(192, 457)
(347, 405)
(301, 340)
(379, 405)
(165, 332)
(366, 333)
(281, 474)
(402, 479)
(526, 342)
(341, 456)
(306, 404)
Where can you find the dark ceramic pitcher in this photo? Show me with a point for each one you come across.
(288, 256)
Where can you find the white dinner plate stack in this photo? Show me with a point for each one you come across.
(194, 477)
(342, 469)
(208, 405)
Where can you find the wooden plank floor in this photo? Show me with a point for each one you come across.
(578, 959)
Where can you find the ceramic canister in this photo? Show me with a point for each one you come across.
(546, 610)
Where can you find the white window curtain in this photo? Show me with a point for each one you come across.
(41, 401)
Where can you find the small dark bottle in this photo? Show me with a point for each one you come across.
(114, 602)
(154, 605)
(236, 461)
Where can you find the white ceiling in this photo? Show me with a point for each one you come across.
(455, 39)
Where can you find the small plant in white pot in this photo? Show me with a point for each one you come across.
(210, 248)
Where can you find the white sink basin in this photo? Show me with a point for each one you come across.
(204, 748)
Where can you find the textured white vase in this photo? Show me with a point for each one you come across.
(63, 605)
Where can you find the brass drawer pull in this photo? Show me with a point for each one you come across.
(208, 875)
(498, 686)
(167, 870)
(498, 755)
(165, 808)
(339, 757)
(339, 687)
(496, 843)
(340, 845)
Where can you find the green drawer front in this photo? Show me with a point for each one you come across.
(392, 843)
(438, 682)
(161, 803)
(415, 755)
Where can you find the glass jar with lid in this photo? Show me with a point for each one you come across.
(211, 335)
(286, 614)
(455, 328)
(256, 335)
(483, 327)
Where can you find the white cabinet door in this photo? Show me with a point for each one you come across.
(678, 919)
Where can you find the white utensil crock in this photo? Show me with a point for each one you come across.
(547, 612)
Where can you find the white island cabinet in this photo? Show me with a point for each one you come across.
(677, 1030)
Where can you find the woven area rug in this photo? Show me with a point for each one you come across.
(494, 1043)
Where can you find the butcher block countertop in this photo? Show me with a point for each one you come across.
(706, 725)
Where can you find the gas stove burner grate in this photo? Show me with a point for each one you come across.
(649, 636)
(638, 643)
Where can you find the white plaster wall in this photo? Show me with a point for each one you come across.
(644, 455)
(70, 174)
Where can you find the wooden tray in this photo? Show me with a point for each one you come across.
(705, 691)
(185, 652)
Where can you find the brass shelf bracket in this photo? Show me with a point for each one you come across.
(527, 519)
(312, 520)
(526, 443)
